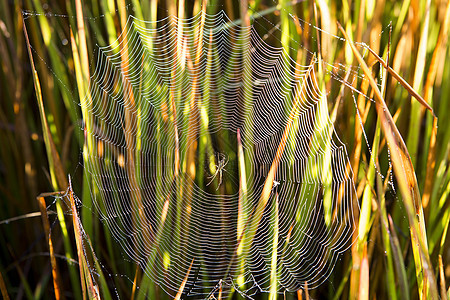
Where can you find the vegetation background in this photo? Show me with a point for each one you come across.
(402, 250)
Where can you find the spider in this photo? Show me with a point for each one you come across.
(222, 162)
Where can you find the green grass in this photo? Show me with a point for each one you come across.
(403, 234)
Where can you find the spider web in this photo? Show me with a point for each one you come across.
(213, 159)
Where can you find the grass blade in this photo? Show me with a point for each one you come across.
(180, 290)
(3, 288)
(364, 275)
(57, 284)
(242, 212)
(269, 181)
(399, 261)
(402, 81)
(56, 170)
(87, 283)
(387, 241)
(442, 279)
(405, 174)
(274, 259)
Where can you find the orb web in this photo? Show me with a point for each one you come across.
(213, 161)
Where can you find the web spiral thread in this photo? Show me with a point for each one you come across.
(213, 160)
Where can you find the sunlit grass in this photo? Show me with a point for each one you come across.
(400, 235)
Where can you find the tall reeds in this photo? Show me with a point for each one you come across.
(401, 230)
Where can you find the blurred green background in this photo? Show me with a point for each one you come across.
(41, 141)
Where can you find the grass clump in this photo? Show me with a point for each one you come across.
(395, 129)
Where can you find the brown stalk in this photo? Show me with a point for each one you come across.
(442, 279)
(79, 244)
(175, 126)
(306, 291)
(193, 66)
(53, 156)
(361, 104)
(85, 273)
(360, 23)
(25, 216)
(82, 40)
(245, 16)
(130, 138)
(339, 97)
(219, 297)
(137, 275)
(57, 283)
(327, 25)
(355, 274)
(407, 180)
(402, 81)
(183, 284)
(364, 275)
(19, 110)
(319, 48)
(56, 169)
(3, 288)
(268, 184)
(431, 165)
(242, 187)
(348, 169)
(171, 7)
(252, 222)
(180, 35)
(6, 63)
(193, 128)
(438, 52)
